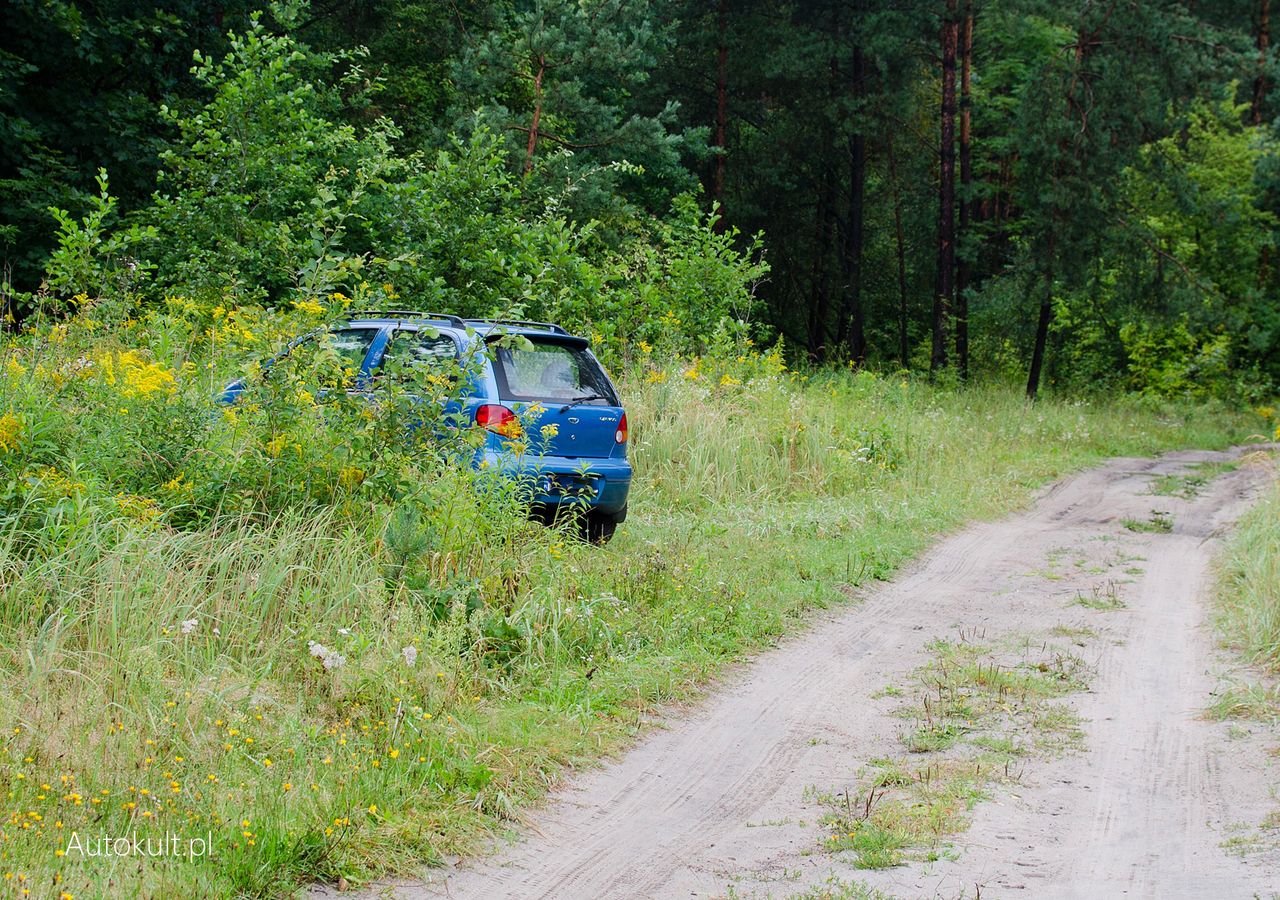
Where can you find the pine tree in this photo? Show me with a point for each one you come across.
(945, 292)
(560, 81)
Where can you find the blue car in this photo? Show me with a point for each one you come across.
(552, 380)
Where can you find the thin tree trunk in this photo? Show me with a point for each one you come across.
(904, 350)
(946, 192)
(963, 266)
(854, 240)
(1264, 42)
(853, 315)
(537, 114)
(1259, 98)
(819, 301)
(1042, 326)
(1084, 42)
(722, 102)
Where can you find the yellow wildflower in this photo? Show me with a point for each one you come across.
(140, 378)
(56, 483)
(144, 509)
(275, 445)
(10, 432)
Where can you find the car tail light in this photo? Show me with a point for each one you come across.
(498, 419)
(620, 436)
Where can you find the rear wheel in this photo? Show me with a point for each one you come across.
(598, 528)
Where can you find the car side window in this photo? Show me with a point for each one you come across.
(420, 349)
(352, 344)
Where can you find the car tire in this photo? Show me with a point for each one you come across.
(598, 529)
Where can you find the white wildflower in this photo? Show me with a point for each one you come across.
(332, 659)
(410, 656)
(189, 625)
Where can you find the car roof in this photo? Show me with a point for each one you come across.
(483, 327)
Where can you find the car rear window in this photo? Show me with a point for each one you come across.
(550, 371)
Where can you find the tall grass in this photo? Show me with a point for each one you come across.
(1250, 588)
(163, 679)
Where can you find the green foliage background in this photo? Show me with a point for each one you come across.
(1124, 164)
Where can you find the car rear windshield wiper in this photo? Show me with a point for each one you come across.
(585, 398)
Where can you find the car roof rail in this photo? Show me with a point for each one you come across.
(455, 321)
(522, 323)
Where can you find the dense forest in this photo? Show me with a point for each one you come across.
(1083, 193)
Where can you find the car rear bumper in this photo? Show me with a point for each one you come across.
(601, 485)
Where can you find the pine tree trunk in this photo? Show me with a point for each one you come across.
(946, 192)
(819, 301)
(963, 266)
(904, 349)
(1259, 98)
(722, 103)
(856, 317)
(1264, 43)
(853, 315)
(1042, 326)
(537, 114)
(1084, 42)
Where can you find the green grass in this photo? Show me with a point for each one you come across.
(1101, 597)
(1076, 634)
(836, 888)
(1188, 486)
(1246, 701)
(978, 711)
(1249, 610)
(1250, 585)
(752, 505)
(1157, 523)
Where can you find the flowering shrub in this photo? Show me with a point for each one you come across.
(114, 456)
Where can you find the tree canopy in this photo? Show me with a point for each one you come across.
(1085, 193)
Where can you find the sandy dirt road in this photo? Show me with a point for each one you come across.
(1158, 803)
